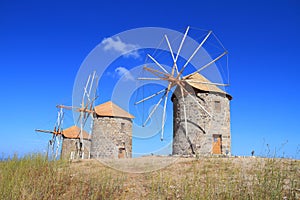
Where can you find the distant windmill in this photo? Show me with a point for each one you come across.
(86, 109)
(55, 142)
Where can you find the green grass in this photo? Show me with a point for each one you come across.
(34, 177)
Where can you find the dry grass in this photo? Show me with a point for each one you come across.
(33, 177)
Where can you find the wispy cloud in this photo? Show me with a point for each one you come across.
(125, 73)
(118, 45)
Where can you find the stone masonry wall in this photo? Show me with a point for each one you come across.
(70, 145)
(109, 134)
(201, 127)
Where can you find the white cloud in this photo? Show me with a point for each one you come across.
(125, 73)
(119, 46)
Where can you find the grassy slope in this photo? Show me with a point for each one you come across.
(206, 178)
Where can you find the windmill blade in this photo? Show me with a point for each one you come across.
(196, 101)
(44, 131)
(68, 107)
(91, 111)
(91, 104)
(153, 110)
(91, 85)
(182, 41)
(86, 112)
(59, 121)
(149, 97)
(62, 120)
(157, 63)
(194, 53)
(85, 89)
(53, 143)
(172, 54)
(78, 135)
(86, 109)
(85, 92)
(95, 87)
(81, 143)
(156, 72)
(79, 118)
(170, 48)
(149, 79)
(206, 83)
(85, 119)
(57, 146)
(207, 65)
(164, 115)
(164, 110)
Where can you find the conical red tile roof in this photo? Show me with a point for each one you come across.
(73, 132)
(204, 87)
(111, 110)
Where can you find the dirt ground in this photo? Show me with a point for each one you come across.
(139, 176)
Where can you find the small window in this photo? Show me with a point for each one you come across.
(122, 127)
(217, 106)
(216, 139)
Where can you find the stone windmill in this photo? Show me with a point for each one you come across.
(71, 137)
(208, 133)
(112, 132)
(201, 110)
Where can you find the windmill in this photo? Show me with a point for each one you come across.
(85, 110)
(177, 78)
(56, 140)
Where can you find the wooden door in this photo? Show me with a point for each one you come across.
(217, 142)
(122, 153)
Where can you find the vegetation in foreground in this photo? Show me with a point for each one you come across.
(34, 177)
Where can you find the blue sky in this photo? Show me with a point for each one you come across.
(42, 45)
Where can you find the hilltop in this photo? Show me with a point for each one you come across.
(187, 178)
